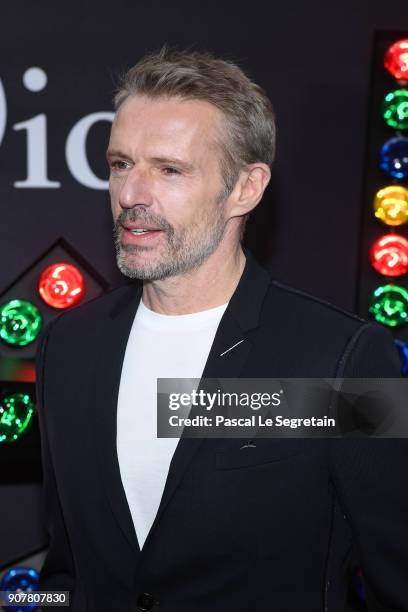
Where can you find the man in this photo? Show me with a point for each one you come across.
(141, 523)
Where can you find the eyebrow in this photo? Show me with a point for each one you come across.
(160, 160)
(174, 161)
(115, 153)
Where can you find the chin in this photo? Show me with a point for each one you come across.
(142, 270)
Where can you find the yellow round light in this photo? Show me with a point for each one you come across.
(391, 205)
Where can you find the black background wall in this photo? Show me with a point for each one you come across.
(314, 60)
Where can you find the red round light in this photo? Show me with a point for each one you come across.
(389, 255)
(61, 285)
(396, 59)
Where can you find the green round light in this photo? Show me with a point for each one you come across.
(16, 413)
(20, 322)
(395, 109)
(389, 305)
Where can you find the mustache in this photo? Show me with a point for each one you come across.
(134, 215)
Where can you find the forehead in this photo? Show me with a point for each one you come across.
(167, 124)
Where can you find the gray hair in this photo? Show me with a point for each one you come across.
(249, 117)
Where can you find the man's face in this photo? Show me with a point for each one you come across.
(165, 185)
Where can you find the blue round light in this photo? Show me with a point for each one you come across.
(20, 579)
(394, 157)
(403, 352)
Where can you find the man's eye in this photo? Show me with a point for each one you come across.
(170, 170)
(118, 164)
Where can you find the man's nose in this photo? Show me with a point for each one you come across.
(136, 189)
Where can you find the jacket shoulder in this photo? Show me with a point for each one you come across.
(310, 304)
(94, 308)
(329, 339)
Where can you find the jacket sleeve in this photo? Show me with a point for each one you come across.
(370, 476)
(57, 572)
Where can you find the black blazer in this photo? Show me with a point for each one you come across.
(266, 529)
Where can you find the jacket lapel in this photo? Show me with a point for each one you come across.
(109, 355)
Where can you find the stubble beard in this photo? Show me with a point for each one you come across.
(183, 251)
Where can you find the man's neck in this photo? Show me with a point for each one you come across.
(211, 285)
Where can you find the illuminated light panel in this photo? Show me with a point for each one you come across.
(20, 322)
(389, 305)
(394, 157)
(16, 413)
(403, 352)
(61, 285)
(395, 109)
(396, 60)
(24, 580)
(389, 255)
(391, 205)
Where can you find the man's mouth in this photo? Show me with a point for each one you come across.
(140, 227)
(138, 231)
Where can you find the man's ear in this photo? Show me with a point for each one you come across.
(249, 188)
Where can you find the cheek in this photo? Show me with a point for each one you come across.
(114, 191)
(186, 205)
(177, 203)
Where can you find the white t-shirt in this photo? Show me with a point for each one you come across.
(159, 346)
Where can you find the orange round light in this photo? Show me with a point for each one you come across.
(391, 205)
(61, 285)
